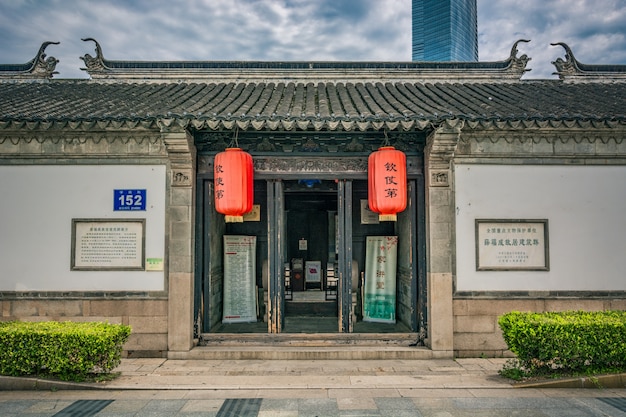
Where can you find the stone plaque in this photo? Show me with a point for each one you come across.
(108, 244)
(510, 245)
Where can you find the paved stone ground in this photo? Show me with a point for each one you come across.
(397, 388)
(427, 403)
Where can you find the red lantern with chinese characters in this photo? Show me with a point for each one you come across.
(386, 182)
(234, 182)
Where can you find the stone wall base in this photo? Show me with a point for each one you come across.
(476, 330)
(146, 317)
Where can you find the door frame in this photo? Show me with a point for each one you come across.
(276, 242)
(344, 250)
(275, 169)
(275, 257)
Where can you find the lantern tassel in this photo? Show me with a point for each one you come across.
(387, 217)
(233, 219)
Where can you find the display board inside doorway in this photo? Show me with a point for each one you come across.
(379, 288)
(240, 295)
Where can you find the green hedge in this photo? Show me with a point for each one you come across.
(571, 342)
(66, 350)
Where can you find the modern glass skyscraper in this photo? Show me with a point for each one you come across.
(445, 30)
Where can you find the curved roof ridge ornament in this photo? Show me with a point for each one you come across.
(94, 64)
(570, 68)
(40, 66)
(521, 62)
(510, 69)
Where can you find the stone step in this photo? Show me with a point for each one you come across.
(293, 346)
(264, 352)
(308, 340)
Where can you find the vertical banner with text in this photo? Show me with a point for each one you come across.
(379, 303)
(239, 279)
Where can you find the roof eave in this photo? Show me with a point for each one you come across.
(353, 124)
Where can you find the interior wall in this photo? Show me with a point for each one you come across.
(584, 206)
(37, 205)
(310, 224)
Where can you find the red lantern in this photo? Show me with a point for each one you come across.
(386, 182)
(234, 182)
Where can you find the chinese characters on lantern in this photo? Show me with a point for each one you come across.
(219, 181)
(234, 184)
(391, 180)
(386, 182)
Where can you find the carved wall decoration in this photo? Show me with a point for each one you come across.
(266, 146)
(441, 145)
(546, 143)
(325, 142)
(70, 143)
(323, 165)
(182, 178)
(439, 178)
(310, 165)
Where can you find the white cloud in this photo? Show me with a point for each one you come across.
(594, 30)
(328, 30)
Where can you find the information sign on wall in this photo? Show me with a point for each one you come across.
(512, 245)
(105, 244)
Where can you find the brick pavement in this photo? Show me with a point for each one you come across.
(307, 388)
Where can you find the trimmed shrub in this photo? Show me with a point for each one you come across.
(571, 342)
(66, 350)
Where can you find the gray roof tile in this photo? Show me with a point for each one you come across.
(84, 100)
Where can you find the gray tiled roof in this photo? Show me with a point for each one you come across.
(318, 106)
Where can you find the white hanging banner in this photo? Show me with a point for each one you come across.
(239, 279)
(379, 303)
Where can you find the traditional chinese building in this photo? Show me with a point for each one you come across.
(515, 194)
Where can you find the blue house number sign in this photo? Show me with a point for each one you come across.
(129, 200)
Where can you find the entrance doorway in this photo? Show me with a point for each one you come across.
(298, 226)
(311, 302)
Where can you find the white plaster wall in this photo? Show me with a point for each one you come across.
(37, 205)
(586, 210)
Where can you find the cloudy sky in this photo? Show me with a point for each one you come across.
(300, 30)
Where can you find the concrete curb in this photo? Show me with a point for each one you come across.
(14, 383)
(9, 383)
(598, 382)
(38, 384)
